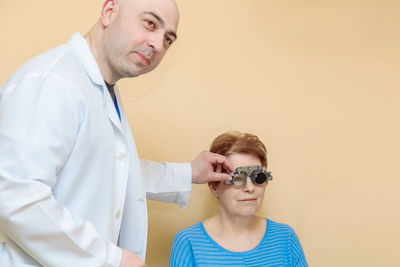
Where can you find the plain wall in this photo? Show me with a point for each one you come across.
(317, 81)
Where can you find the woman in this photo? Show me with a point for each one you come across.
(236, 236)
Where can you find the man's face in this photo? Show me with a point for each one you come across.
(139, 35)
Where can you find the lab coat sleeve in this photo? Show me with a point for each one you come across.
(167, 181)
(38, 125)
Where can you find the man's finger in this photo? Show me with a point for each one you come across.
(218, 168)
(218, 177)
(218, 159)
(228, 167)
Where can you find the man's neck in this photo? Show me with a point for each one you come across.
(93, 38)
(111, 90)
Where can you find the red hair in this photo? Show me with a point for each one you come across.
(239, 143)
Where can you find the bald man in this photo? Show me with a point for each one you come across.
(72, 188)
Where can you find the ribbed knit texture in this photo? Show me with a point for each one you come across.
(279, 247)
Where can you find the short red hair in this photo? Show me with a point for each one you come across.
(239, 143)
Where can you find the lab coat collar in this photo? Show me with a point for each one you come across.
(89, 64)
(82, 49)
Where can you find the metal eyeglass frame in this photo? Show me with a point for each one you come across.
(239, 177)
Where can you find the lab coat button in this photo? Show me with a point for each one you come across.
(117, 214)
(121, 156)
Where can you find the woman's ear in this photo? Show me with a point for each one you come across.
(214, 188)
(108, 11)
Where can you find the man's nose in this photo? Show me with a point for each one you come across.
(156, 41)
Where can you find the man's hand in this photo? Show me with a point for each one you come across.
(130, 259)
(207, 167)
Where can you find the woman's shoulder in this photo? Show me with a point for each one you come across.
(280, 234)
(188, 232)
(279, 228)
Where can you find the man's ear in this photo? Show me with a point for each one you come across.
(213, 188)
(108, 12)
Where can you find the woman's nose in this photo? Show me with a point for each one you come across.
(249, 186)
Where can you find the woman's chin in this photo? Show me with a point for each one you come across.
(245, 212)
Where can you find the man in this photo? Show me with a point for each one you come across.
(72, 189)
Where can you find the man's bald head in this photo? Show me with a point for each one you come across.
(133, 36)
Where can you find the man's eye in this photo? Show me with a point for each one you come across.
(168, 40)
(150, 24)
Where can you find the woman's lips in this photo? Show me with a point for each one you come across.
(248, 199)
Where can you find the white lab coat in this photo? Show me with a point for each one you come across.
(71, 184)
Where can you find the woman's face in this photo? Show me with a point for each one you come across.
(244, 200)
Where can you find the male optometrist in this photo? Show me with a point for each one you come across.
(72, 188)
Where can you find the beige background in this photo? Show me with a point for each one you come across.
(317, 81)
